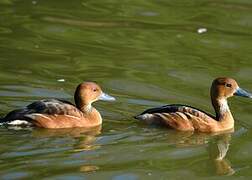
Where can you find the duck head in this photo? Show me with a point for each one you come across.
(224, 87)
(88, 92)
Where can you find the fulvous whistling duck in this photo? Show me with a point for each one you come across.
(55, 113)
(187, 118)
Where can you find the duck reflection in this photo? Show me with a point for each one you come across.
(85, 139)
(85, 136)
(217, 147)
(217, 152)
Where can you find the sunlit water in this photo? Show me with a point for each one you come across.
(145, 53)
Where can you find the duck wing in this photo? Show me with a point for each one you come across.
(43, 107)
(180, 117)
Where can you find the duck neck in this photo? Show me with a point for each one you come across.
(223, 113)
(83, 106)
(86, 108)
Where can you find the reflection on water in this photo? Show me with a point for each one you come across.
(218, 151)
(85, 137)
(85, 140)
(217, 147)
(88, 168)
(145, 53)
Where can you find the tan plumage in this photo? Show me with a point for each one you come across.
(55, 113)
(187, 118)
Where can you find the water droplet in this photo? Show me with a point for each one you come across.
(61, 80)
(202, 30)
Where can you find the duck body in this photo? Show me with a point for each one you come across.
(183, 118)
(188, 118)
(56, 113)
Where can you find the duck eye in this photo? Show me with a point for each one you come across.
(229, 85)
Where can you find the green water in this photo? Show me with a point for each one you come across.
(145, 53)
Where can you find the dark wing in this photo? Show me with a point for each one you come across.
(180, 117)
(48, 107)
(52, 106)
(173, 108)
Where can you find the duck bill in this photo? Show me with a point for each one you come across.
(106, 97)
(242, 93)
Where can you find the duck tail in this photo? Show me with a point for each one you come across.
(137, 117)
(3, 120)
(142, 117)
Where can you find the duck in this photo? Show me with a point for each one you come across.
(187, 118)
(57, 113)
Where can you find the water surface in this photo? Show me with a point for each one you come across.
(145, 53)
